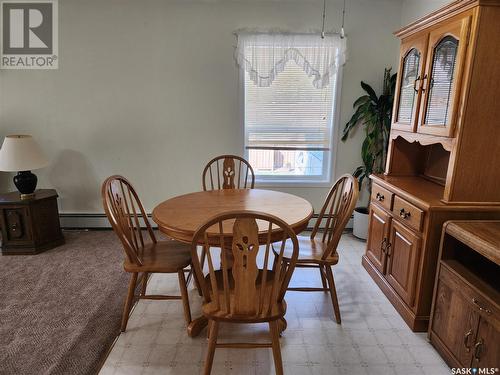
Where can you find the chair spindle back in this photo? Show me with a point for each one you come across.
(125, 212)
(228, 172)
(244, 289)
(337, 210)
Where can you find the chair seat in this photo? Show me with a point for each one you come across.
(163, 256)
(310, 251)
(211, 311)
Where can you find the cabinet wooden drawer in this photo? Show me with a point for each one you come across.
(408, 213)
(382, 196)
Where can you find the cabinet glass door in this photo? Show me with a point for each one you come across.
(408, 83)
(442, 78)
(441, 82)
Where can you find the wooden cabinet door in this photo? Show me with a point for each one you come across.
(377, 237)
(16, 227)
(443, 77)
(487, 347)
(454, 319)
(402, 260)
(409, 83)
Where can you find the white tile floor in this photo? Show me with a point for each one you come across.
(373, 339)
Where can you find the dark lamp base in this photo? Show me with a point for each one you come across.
(25, 182)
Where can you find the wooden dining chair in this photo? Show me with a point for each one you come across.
(228, 172)
(319, 250)
(252, 290)
(126, 215)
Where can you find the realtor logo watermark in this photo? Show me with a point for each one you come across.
(29, 34)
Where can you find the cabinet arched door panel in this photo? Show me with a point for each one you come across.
(442, 78)
(408, 87)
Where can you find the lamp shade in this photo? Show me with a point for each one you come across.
(21, 153)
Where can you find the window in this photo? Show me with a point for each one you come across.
(288, 122)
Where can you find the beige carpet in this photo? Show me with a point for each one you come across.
(60, 310)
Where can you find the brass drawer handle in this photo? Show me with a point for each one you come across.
(388, 249)
(481, 308)
(379, 197)
(478, 349)
(404, 214)
(13, 227)
(466, 340)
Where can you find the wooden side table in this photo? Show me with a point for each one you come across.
(465, 319)
(30, 226)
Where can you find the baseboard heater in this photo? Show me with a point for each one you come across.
(100, 221)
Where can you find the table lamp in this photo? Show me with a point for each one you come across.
(20, 153)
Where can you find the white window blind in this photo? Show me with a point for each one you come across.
(289, 87)
(291, 114)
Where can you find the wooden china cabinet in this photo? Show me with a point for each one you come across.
(444, 151)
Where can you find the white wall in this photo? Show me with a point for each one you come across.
(415, 9)
(149, 89)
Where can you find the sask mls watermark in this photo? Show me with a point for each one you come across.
(29, 34)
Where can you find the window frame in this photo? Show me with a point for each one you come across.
(326, 179)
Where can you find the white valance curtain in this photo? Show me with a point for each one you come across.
(265, 55)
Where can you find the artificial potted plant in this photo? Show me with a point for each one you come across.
(374, 113)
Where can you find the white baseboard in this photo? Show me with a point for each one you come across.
(98, 221)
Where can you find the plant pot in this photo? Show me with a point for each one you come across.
(360, 226)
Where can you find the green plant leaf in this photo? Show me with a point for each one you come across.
(361, 100)
(370, 91)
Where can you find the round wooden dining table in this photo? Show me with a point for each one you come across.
(180, 217)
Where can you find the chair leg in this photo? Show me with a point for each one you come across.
(209, 324)
(145, 278)
(323, 278)
(202, 258)
(196, 282)
(212, 342)
(275, 337)
(275, 262)
(185, 297)
(333, 293)
(128, 301)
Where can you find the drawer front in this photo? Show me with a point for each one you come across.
(16, 226)
(382, 196)
(408, 213)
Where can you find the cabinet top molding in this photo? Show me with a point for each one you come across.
(449, 10)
